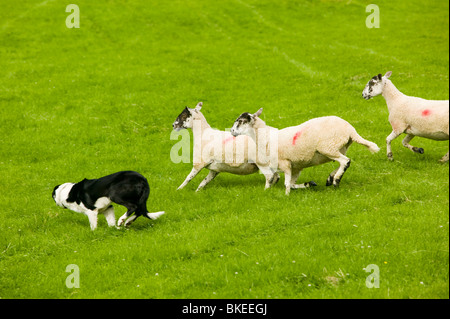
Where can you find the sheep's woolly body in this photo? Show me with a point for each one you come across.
(309, 143)
(220, 151)
(413, 116)
(217, 151)
(416, 116)
(312, 143)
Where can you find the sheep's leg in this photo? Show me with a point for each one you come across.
(286, 167)
(330, 178)
(271, 177)
(389, 139)
(211, 175)
(406, 144)
(287, 181)
(191, 175)
(303, 185)
(444, 158)
(274, 179)
(295, 174)
(344, 163)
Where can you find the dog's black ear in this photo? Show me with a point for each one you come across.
(54, 191)
(74, 194)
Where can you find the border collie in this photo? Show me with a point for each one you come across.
(94, 196)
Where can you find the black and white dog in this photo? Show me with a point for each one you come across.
(94, 196)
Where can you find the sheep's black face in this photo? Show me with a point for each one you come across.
(242, 124)
(184, 120)
(374, 87)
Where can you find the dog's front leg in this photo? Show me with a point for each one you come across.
(92, 215)
(110, 217)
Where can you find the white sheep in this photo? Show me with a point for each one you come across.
(312, 143)
(411, 115)
(218, 151)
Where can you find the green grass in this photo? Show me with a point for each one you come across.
(88, 102)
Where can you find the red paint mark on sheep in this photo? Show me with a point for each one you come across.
(228, 139)
(426, 112)
(296, 136)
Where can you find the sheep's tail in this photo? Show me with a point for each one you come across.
(370, 145)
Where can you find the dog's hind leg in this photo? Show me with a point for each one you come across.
(125, 216)
(130, 220)
(138, 210)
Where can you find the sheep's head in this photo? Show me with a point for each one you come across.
(244, 123)
(185, 119)
(375, 86)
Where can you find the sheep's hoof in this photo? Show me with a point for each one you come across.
(329, 181)
(275, 178)
(390, 156)
(418, 150)
(336, 183)
(311, 184)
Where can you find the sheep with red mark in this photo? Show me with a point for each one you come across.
(218, 151)
(317, 141)
(411, 115)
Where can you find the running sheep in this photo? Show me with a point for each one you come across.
(312, 143)
(413, 116)
(218, 151)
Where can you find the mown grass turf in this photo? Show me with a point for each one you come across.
(88, 102)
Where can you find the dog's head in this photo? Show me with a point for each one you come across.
(60, 194)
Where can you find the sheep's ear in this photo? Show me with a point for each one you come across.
(388, 74)
(188, 109)
(379, 76)
(199, 106)
(258, 113)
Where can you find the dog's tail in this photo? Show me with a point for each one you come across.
(154, 215)
(142, 205)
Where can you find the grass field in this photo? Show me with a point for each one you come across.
(91, 101)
